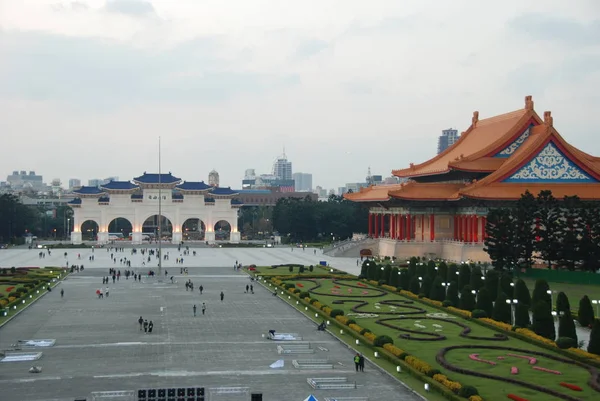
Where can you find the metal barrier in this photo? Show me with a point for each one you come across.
(295, 349)
(331, 383)
(312, 364)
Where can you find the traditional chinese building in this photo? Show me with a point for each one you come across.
(138, 202)
(441, 210)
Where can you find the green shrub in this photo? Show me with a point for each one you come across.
(336, 312)
(594, 344)
(313, 300)
(13, 269)
(364, 331)
(543, 323)
(14, 294)
(311, 268)
(301, 269)
(467, 391)
(479, 313)
(291, 269)
(566, 342)
(586, 312)
(447, 303)
(380, 341)
(22, 290)
(403, 355)
(350, 321)
(433, 372)
(304, 294)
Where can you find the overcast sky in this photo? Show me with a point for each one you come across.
(88, 86)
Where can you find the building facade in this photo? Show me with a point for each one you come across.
(441, 211)
(20, 180)
(302, 182)
(282, 168)
(447, 139)
(74, 183)
(140, 200)
(213, 178)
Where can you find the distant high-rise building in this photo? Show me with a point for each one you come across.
(95, 182)
(109, 179)
(74, 183)
(22, 180)
(213, 178)
(282, 168)
(302, 182)
(448, 138)
(250, 174)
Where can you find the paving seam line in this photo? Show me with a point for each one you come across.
(349, 346)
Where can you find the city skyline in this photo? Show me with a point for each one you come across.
(226, 86)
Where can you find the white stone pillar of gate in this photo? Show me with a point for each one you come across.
(236, 236)
(103, 237)
(76, 238)
(136, 238)
(209, 236)
(177, 235)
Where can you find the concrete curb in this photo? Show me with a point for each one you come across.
(346, 345)
(42, 295)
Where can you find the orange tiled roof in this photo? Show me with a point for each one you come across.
(484, 164)
(373, 193)
(428, 191)
(481, 139)
(513, 191)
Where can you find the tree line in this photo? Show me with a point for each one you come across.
(485, 294)
(305, 220)
(565, 233)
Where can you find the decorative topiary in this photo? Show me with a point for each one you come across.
(522, 292)
(594, 343)
(566, 326)
(426, 285)
(464, 276)
(336, 312)
(479, 313)
(404, 281)
(502, 311)
(304, 294)
(485, 302)
(447, 303)
(492, 280)
(476, 281)
(562, 303)
(350, 321)
(586, 312)
(540, 293)
(311, 268)
(467, 391)
(291, 269)
(380, 341)
(452, 294)
(566, 342)
(543, 322)
(364, 331)
(437, 292)
(301, 269)
(522, 315)
(415, 285)
(467, 299)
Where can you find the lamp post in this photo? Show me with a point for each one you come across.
(445, 285)
(549, 292)
(420, 282)
(513, 304)
(597, 303)
(474, 292)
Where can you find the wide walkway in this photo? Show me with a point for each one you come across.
(99, 346)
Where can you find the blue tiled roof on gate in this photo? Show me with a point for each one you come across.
(103, 199)
(147, 178)
(193, 186)
(76, 201)
(176, 195)
(209, 200)
(137, 196)
(123, 185)
(88, 191)
(223, 191)
(236, 202)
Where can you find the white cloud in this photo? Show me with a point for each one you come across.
(228, 83)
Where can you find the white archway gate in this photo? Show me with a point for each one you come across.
(138, 201)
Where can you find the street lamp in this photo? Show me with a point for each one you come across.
(597, 303)
(513, 304)
(474, 292)
(445, 285)
(420, 282)
(549, 292)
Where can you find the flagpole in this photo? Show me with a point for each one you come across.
(159, 214)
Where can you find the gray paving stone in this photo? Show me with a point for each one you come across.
(99, 346)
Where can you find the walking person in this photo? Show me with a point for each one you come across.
(141, 322)
(145, 326)
(62, 292)
(194, 310)
(356, 361)
(203, 308)
(247, 288)
(222, 296)
(201, 289)
(150, 326)
(361, 363)
(251, 288)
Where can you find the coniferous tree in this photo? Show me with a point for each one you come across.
(522, 294)
(585, 315)
(415, 285)
(590, 238)
(443, 271)
(543, 322)
(431, 269)
(522, 315)
(452, 273)
(570, 231)
(492, 281)
(404, 280)
(372, 271)
(502, 311)
(562, 303)
(540, 293)
(547, 227)
(506, 285)
(412, 267)
(422, 269)
(484, 301)
(384, 273)
(438, 292)
(594, 343)
(364, 268)
(525, 229)
(426, 284)
(467, 298)
(464, 276)
(500, 241)
(566, 326)
(452, 294)
(476, 281)
(394, 279)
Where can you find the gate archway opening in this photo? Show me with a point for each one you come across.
(151, 226)
(193, 230)
(222, 230)
(89, 230)
(120, 226)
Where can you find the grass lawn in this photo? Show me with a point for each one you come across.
(573, 291)
(285, 270)
(403, 321)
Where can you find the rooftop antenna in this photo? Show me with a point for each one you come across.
(159, 214)
(369, 176)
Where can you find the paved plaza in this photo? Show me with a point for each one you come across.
(99, 346)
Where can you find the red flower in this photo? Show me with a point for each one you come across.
(516, 398)
(570, 386)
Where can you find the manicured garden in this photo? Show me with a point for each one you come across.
(460, 357)
(21, 286)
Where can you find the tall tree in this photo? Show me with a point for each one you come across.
(570, 231)
(464, 276)
(476, 280)
(492, 281)
(438, 292)
(501, 237)
(585, 315)
(467, 299)
(522, 293)
(502, 311)
(594, 343)
(452, 294)
(590, 238)
(547, 227)
(566, 326)
(485, 302)
(562, 303)
(525, 229)
(543, 322)
(540, 293)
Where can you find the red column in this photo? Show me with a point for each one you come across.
(475, 229)
(401, 228)
(483, 230)
(376, 221)
(392, 226)
(431, 227)
(422, 227)
(408, 227)
(382, 235)
(370, 224)
(464, 228)
(454, 228)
